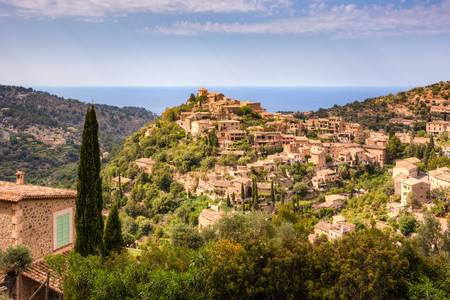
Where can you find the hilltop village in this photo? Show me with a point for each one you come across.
(255, 159)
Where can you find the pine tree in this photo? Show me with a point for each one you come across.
(112, 236)
(89, 202)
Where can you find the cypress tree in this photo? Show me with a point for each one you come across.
(89, 202)
(120, 188)
(242, 193)
(272, 193)
(255, 194)
(112, 237)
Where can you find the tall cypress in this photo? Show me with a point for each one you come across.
(112, 237)
(254, 194)
(272, 193)
(89, 202)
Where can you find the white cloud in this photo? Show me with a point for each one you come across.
(346, 21)
(100, 8)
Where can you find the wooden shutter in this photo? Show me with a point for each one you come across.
(62, 230)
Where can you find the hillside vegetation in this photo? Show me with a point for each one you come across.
(40, 133)
(415, 104)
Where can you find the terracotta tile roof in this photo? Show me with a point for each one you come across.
(12, 192)
(211, 215)
(441, 174)
(38, 271)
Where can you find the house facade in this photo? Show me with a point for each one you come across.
(40, 218)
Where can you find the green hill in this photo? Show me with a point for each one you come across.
(40, 133)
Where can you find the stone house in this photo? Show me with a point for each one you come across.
(123, 181)
(231, 135)
(264, 188)
(376, 154)
(418, 187)
(255, 106)
(324, 178)
(439, 109)
(354, 129)
(295, 128)
(40, 218)
(324, 125)
(333, 230)
(202, 92)
(287, 139)
(318, 157)
(407, 138)
(403, 169)
(377, 139)
(227, 125)
(438, 127)
(198, 127)
(267, 138)
(145, 164)
(439, 178)
(210, 216)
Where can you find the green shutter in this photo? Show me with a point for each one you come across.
(62, 230)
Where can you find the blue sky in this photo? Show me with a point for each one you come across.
(224, 42)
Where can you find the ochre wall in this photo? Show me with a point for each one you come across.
(36, 226)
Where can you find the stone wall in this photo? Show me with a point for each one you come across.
(6, 227)
(36, 228)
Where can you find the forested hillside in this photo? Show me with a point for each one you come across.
(419, 104)
(40, 133)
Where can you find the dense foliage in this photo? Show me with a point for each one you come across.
(248, 257)
(14, 258)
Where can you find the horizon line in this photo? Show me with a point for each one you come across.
(226, 86)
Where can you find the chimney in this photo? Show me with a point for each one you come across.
(20, 178)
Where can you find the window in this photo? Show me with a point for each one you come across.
(62, 228)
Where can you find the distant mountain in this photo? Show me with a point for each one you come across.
(40, 133)
(417, 105)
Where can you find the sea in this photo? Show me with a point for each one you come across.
(274, 99)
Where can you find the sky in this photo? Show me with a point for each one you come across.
(224, 42)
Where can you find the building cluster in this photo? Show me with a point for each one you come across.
(338, 142)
